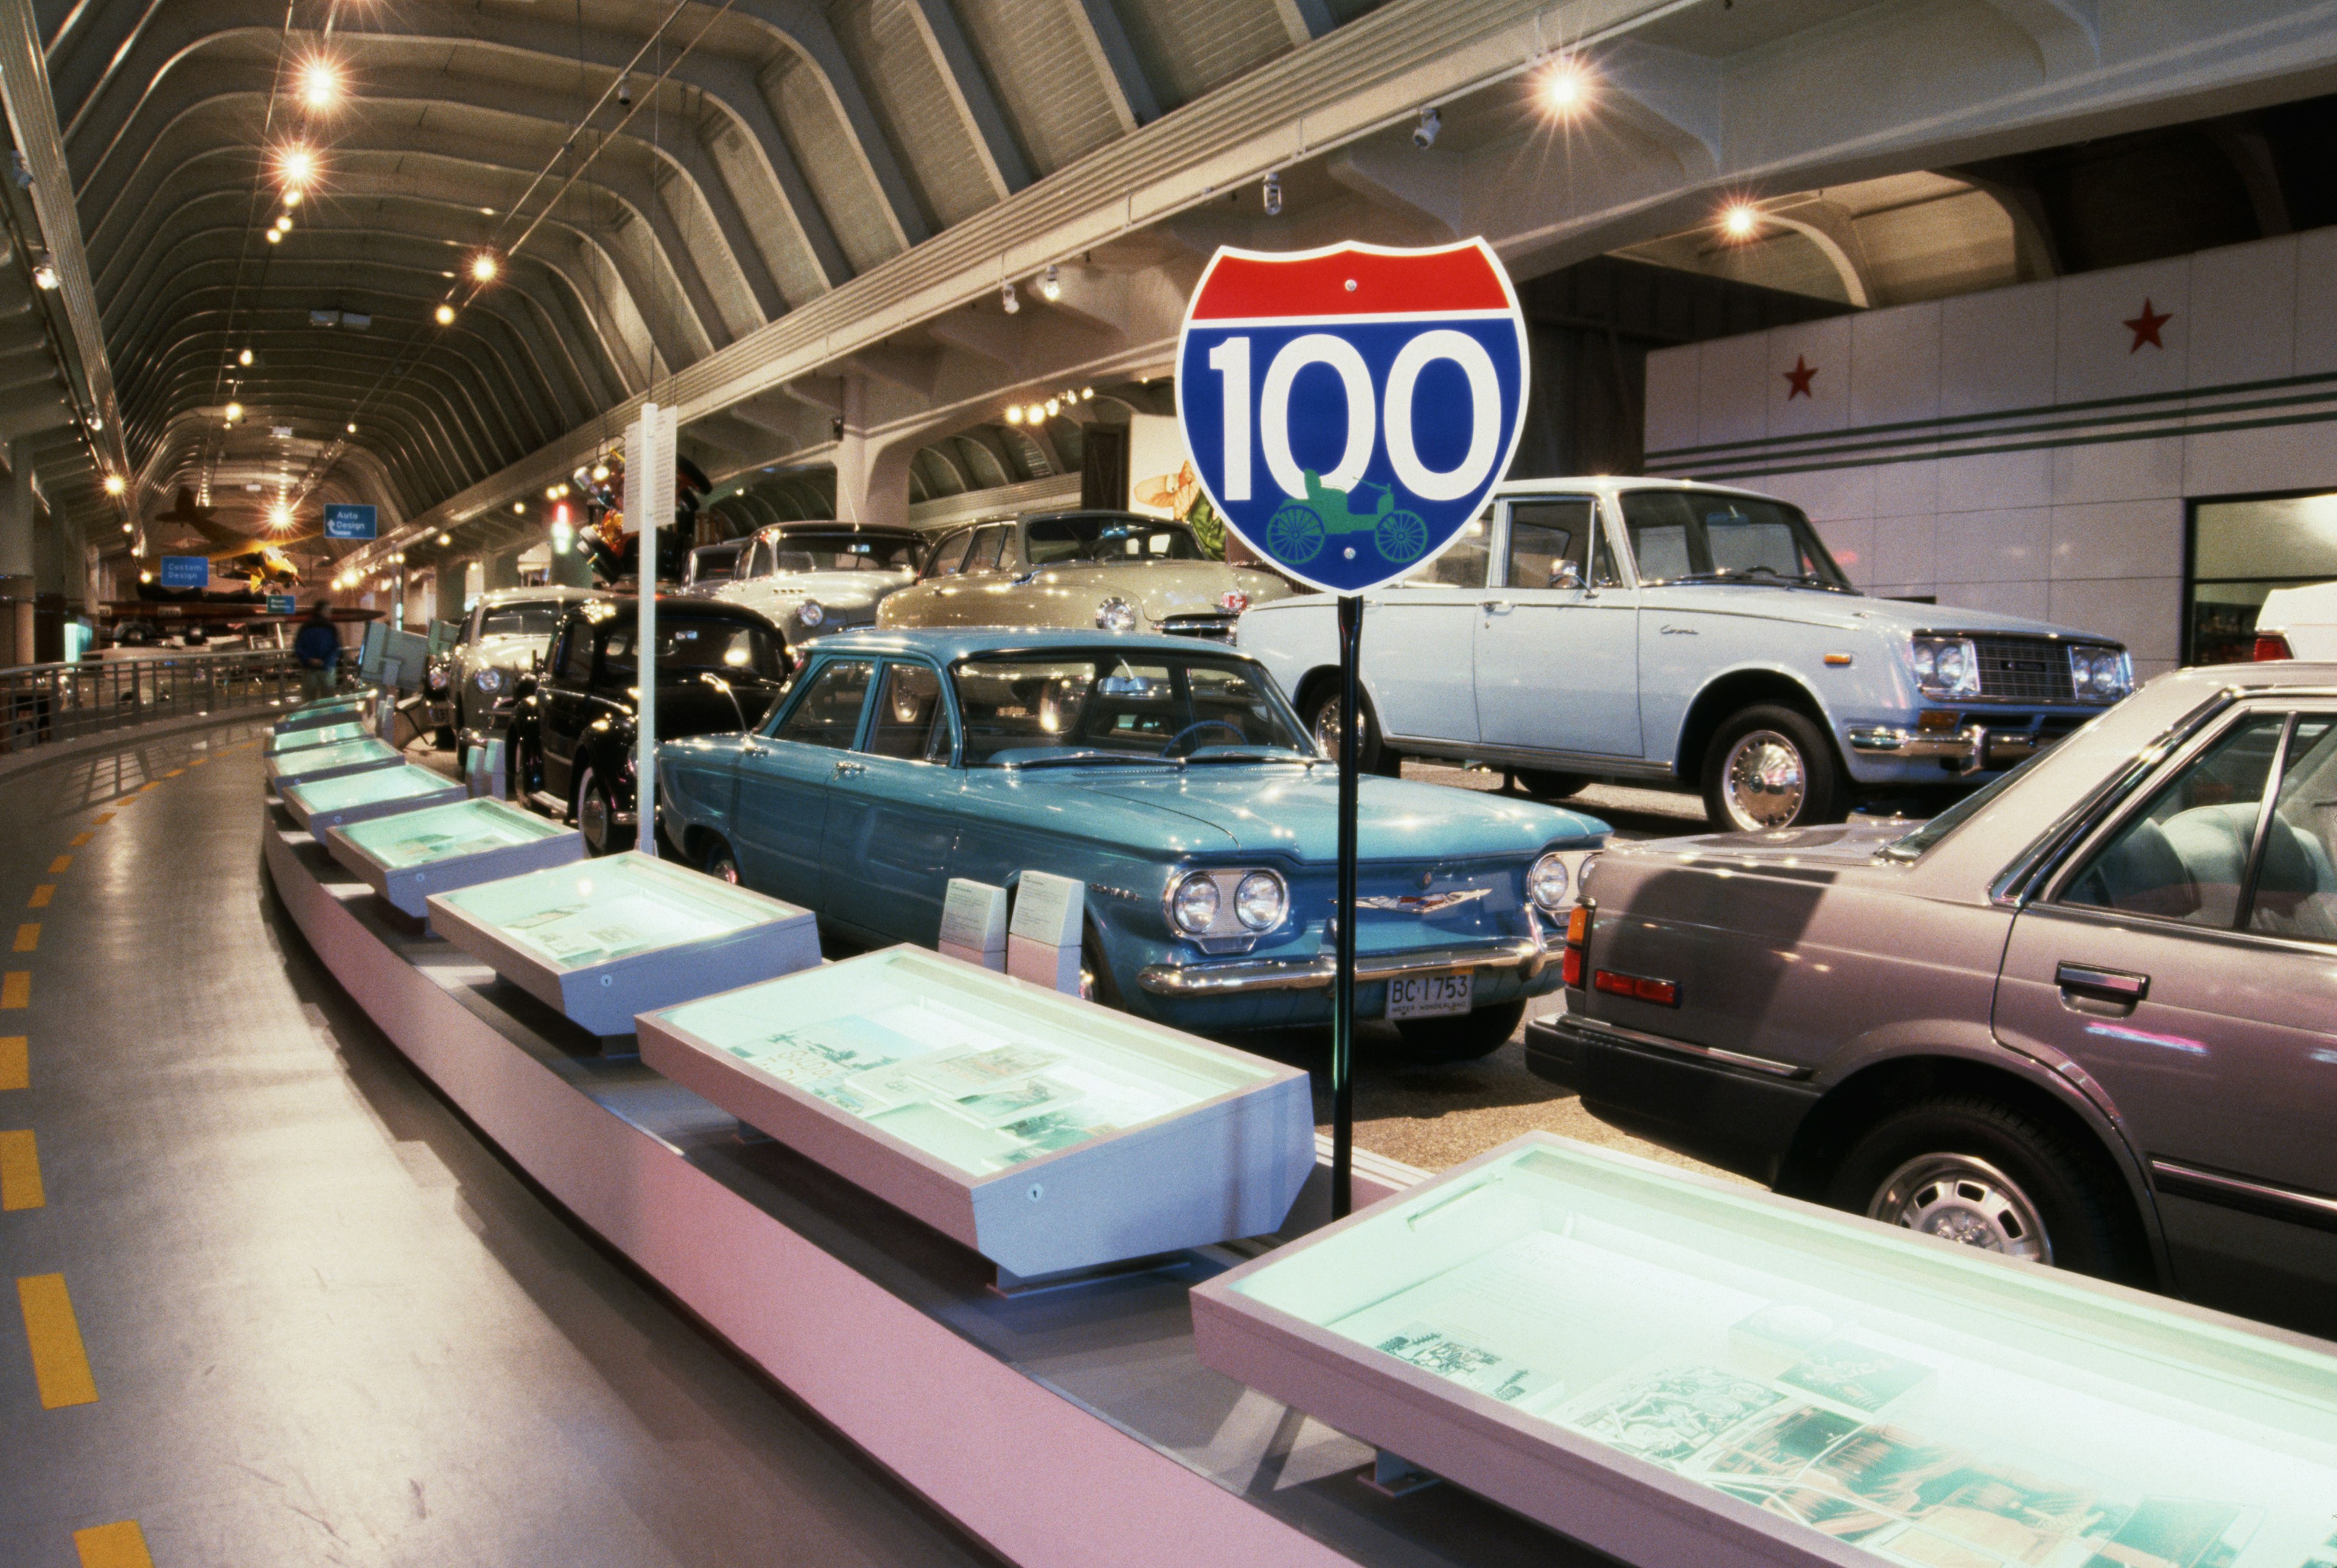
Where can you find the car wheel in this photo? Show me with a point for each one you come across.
(1322, 717)
(1974, 1170)
(446, 739)
(1463, 1038)
(1096, 984)
(1552, 786)
(526, 771)
(1770, 767)
(596, 816)
(719, 863)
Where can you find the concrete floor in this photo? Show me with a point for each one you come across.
(275, 1303)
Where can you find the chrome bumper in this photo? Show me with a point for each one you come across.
(1971, 748)
(1528, 955)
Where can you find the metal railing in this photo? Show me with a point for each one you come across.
(45, 703)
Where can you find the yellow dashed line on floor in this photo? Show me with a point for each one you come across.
(28, 936)
(15, 1063)
(174, 773)
(199, 762)
(16, 989)
(101, 819)
(151, 783)
(60, 1364)
(121, 1544)
(41, 894)
(78, 840)
(57, 866)
(20, 1172)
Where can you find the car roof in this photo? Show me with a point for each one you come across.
(944, 645)
(832, 525)
(1618, 482)
(626, 607)
(501, 596)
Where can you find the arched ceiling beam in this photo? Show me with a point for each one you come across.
(2066, 33)
(970, 93)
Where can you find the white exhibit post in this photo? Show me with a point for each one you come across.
(1042, 944)
(649, 506)
(973, 923)
(385, 709)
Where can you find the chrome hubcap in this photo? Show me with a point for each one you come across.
(725, 870)
(1327, 729)
(592, 817)
(1958, 1198)
(1764, 782)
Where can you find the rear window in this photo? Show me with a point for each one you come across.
(539, 617)
(730, 648)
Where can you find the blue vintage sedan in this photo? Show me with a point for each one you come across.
(1170, 776)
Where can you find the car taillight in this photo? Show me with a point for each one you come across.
(2270, 648)
(1577, 943)
(1639, 988)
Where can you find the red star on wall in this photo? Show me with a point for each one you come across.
(1798, 378)
(2145, 326)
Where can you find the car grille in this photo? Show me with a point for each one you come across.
(1215, 627)
(2024, 669)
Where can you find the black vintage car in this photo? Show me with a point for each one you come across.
(572, 737)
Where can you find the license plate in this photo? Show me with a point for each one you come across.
(1428, 995)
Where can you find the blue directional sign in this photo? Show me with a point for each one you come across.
(1350, 409)
(283, 604)
(349, 520)
(186, 571)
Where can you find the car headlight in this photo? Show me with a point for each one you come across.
(1260, 900)
(1546, 882)
(811, 614)
(437, 681)
(1946, 666)
(489, 680)
(1194, 903)
(1116, 614)
(2100, 673)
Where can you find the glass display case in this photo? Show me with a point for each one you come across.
(604, 940)
(407, 857)
(316, 735)
(313, 763)
(1046, 1133)
(1681, 1372)
(322, 804)
(340, 709)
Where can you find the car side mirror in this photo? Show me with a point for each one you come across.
(1566, 574)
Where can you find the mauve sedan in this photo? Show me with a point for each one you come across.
(2089, 1016)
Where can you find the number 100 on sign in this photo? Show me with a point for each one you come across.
(1349, 410)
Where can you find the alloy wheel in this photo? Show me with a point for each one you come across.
(1763, 781)
(1959, 1198)
(593, 817)
(1327, 729)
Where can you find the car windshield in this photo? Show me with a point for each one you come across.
(813, 550)
(1107, 536)
(533, 617)
(727, 647)
(715, 562)
(1699, 536)
(1038, 708)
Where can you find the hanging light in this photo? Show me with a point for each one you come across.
(280, 516)
(234, 411)
(444, 315)
(1087, 395)
(44, 273)
(1014, 414)
(1272, 193)
(127, 528)
(1052, 406)
(296, 165)
(483, 267)
(353, 427)
(551, 492)
(445, 539)
(519, 509)
(1007, 302)
(276, 236)
(1051, 286)
(320, 82)
(115, 484)
(1741, 220)
(1565, 85)
(599, 474)
(244, 358)
(292, 199)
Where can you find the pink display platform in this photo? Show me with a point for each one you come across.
(1074, 1428)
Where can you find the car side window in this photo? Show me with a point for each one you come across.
(948, 556)
(1547, 542)
(1657, 522)
(912, 722)
(1462, 566)
(2295, 887)
(2185, 857)
(984, 554)
(575, 662)
(828, 712)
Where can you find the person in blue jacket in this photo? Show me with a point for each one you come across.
(319, 649)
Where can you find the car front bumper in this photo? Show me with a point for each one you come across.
(1526, 957)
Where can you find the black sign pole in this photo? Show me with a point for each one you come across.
(1343, 995)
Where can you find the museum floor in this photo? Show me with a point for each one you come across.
(280, 1304)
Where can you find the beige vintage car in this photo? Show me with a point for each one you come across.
(1115, 571)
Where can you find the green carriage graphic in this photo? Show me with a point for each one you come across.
(1296, 533)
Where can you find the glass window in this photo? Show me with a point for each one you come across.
(728, 648)
(911, 720)
(1026, 709)
(827, 547)
(2183, 859)
(2242, 551)
(1108, 536)
(1463, 565)
(540, 618)
(1545, 540)
(983, 554)
(2295, 884)
(715, 562)
(829, 711)
(949, 555)
(576, 652)
(1687, 536)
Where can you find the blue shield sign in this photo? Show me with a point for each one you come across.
(186, 571)
(1350, 409)
(349, 520)
(283, 604)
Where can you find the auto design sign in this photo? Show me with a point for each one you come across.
(1350, 409)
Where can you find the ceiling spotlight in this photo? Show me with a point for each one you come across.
(445, 539)
(353, 427)
(297, 166)
(1272, 192)
(551, 492)
(1014, 414)
(1565, 86)
(482, 267)
(1742, 220)
(276, 236)
(97, 422)
(1036, 413)
(292, 198)
(44, 272)
(1424, 135)
(625, 88)
(1007, 302)
(320, 83)
(444, 315)
(115, 484)
(234, 411)
(599, 474)
(1051, 286)
(280, 516)
(127, 528)
(519, 509)
(145, 577)
(244, 358)
(1087, 393)
(1052, 406)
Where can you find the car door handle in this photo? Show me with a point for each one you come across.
(2102, 985)
(850, 769)
(1495, 607)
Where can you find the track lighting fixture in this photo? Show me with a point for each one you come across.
(443, 315)
(625, 88)
(1007, 301)
(1424, 135)
(1051, 286)
(44, 271)
(1272, 192)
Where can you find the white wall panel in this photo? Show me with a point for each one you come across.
(2242, 313)
(1996, 350)
(1894, 366)
(2144, 613)
(2275, 457)
(2117, 538)
(2012, 545)
(1821, 347)
(2117, 471)
(1905, 489)
(1993, 480)
(2098, 354)
(1851, 541)
(1732, 403)
(1904, 550)
(2316, 302)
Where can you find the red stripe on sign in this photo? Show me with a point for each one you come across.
(1240, 286)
